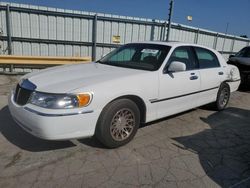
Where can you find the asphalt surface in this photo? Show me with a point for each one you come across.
(198, 148)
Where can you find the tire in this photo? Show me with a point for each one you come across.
(118, 123)
(223, 97)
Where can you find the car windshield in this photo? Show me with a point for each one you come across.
(245, 52)
(137, 56)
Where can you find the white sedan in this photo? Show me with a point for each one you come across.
(136, 83)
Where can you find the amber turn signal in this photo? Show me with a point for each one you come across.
(84, 99)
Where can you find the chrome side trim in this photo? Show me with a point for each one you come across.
(57, 115)
(184, 95)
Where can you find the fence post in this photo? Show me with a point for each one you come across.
(196, 36)
(232, 45)
(215, 41)
(152, 33)
(94, 38)
(163, 30)
(8, 28)
(171, 5)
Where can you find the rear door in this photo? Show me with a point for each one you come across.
(211, 75)
(177, 90)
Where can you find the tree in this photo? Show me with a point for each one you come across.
(244, 36)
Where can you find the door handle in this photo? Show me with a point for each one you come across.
(220, 73)
(193, 77)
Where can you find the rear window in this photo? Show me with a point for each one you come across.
(245, 52)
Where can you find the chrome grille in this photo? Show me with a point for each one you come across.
(22, 95)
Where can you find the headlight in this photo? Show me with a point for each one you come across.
(60, 101)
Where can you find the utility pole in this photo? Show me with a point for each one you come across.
(224, 39)
(171, 4)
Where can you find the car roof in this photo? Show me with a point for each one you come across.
(173, 44)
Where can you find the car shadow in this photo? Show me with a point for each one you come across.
(224, 149)
(17, 136)
(245, 88)
(92, 142)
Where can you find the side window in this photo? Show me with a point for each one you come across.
(124, 55)
(206, 58)
(184, 55)
(247, 54)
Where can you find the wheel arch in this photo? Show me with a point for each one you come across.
(139, 102)
(226, 83)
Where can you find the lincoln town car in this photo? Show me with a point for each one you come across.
(110, 98)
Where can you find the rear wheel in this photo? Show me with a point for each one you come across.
(223, 97)
(118, 123)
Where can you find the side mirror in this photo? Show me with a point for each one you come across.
(231, 56)
(176, 66)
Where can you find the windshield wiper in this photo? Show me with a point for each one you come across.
(99, 61)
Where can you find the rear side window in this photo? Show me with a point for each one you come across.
(206, 58)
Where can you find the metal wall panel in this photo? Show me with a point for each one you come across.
(68, 29)
(25, 25)
(148, 32)
(189, 36)
(122, 28)
(35, 49)
(43, 26)
(76, 29)
(52, 27)
(3, 22)
(206, 40)
(16, 24)
(181, 35)
(44, 50)
(60, 50)
(34, 26)
(238, 45)
(18, 48)
(59, 32)
(128, 33)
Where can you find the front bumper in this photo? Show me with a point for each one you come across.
(54, 124)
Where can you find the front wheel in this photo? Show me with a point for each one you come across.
(118, 123)
(223, 96)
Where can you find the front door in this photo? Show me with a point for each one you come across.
(177, 90)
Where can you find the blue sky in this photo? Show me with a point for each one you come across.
(208, 14)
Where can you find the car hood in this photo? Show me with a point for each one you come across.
(241, 60)
(64, 79)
